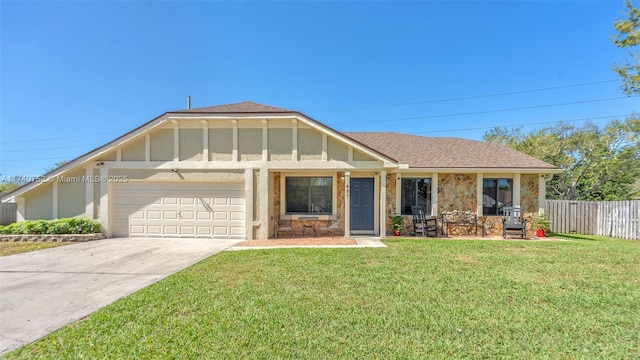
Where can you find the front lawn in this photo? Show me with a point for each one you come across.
(416, 299)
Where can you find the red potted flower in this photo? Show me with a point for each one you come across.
(397, 223)
(541, 225)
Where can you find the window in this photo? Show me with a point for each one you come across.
(496, 194)
(416, 192)
(309, 195)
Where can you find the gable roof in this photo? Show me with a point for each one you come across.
(432, 152)
(246, 107)
(390, 147)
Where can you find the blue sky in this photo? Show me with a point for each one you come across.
(75, 75)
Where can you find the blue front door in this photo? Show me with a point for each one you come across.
(362, 208)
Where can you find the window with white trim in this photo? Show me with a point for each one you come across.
(309, 195)
(416, 192)
(496, 195)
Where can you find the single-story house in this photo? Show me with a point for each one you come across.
(231, 170)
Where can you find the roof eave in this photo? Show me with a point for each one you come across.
(484, 170)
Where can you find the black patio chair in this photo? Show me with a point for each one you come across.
(513, 223)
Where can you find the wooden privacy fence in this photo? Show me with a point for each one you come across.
(619, 219)
(8, 212)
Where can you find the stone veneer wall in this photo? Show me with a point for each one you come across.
(51, 238)
(458, 192)
(529, 204)
(339, 206)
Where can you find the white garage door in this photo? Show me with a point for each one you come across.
(179, 209)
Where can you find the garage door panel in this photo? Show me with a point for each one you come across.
(237, 215)
(187, 231)
(170, 200)
(170, 230)
(187, 201)
(137, 230)
(169, 215)
(154, 215)
(220, 216)
(187, 215)
(137, 215)
(237, 231)
(179, 209)
(237, 201)
(203, 231)
(203, 215)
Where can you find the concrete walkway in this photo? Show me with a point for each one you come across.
(42, 291)
(361, 242)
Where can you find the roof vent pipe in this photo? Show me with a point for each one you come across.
(188, 102)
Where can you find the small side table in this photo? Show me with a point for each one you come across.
(309, 222)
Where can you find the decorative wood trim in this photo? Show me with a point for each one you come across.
(119, 154)
(516, 189)
(265, 140)
(205, 140)
(104, 200)
(248, 206)
(434, 194)
(263, 190)
(21, 211)
(398, 194)
(324, 147)
(542, 192)
(234, 151)
(350, 154)
(88, 193)
(294, 139)
(147, 147)
(331, 165)
(176, 142)
(54, 203)
(383, 204)
(347, 203)
(479, 198)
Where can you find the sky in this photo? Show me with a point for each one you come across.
(75, 75)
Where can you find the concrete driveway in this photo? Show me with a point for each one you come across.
(44, 290)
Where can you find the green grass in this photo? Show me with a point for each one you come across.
(416, 299)
(10, 248)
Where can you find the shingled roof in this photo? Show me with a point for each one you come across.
(433, 152)
(246, 107)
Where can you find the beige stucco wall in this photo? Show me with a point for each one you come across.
(220, 144)
(309, 144)
(250, 144)
(109, 156)
(360, 156)
(71, 194)
(337, 150)
(162, 145)
(39, 203)
(190, 144)
(133, 151)
(280, 144)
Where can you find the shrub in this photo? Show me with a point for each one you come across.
(59, 226)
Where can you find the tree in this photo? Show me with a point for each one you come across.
(598, 164)
(5, 187)
(629, 37)
(55, 166)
